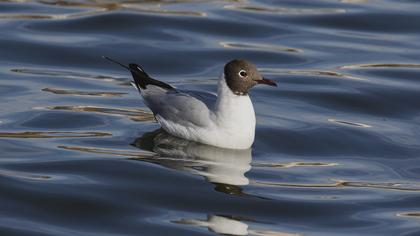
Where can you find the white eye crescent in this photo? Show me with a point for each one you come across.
(242, 73)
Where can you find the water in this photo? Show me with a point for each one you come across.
(337, 143)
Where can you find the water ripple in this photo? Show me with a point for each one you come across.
(382, 65)
(295, 164)
(342, 122)
(328, 73)
(52, 134)
(409, 214)
(283, 10)
(133, 114)
(82, 93)
(339, 137)
(66, 74)
(258, 46)
(406, 187)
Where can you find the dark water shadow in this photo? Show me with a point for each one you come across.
(225, 168)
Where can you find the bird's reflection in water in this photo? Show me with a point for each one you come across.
(224, 225)
(231, 225)
(225, 168)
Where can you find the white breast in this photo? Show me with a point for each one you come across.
(230, 122)
(235, 117)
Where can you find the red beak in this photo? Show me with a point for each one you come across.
(267, 82)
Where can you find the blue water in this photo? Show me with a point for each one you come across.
(337, 143)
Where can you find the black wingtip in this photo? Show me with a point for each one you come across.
(141, 78)
(137, 68)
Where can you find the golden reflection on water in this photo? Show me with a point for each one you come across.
(295, 164)
(133, 114)
(409, 187)
(82, 93)
(409, 214)
(157, 7)
(158, 10)
(25, 17)
(97, 7)
(283, 10)
(20, 1)
(66, 74)
(109, 151)
(384, 65)
(52, 134)
(270, 233)
(342, 122)
(258, 46)
(355, 1)
(278, 71)
(63, 178)
(44, 16)
(23, 175)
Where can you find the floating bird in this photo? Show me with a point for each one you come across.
(225, 119)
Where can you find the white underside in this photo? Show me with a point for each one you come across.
(228, 122)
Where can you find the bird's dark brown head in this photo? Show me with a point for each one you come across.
(241, 76)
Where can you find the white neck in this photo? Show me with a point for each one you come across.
(235, 114)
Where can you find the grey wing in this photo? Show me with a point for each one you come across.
(181, 106)
(206, 97)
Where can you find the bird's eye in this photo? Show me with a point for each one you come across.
(242, 73)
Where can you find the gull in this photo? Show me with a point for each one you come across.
(226, 119)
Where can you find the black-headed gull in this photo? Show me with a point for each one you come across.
(224, 120)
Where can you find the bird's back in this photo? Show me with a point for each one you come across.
(182, 107)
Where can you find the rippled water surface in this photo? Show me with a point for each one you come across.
(337, 148)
